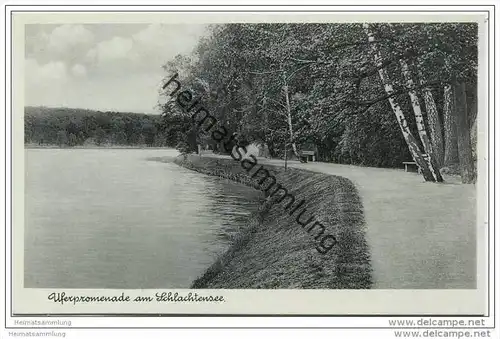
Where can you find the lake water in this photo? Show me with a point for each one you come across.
(110, 218)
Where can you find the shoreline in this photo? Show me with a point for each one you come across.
(272, 251)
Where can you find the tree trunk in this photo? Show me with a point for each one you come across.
(471, 103)
(289, 116)
(472, 116)
(415, 152)
(435, 128)
(450, 129)
(473, 140)
(430, 158)
(467, 168)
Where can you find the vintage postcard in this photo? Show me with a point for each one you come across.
(233, 163)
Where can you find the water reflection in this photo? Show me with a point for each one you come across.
(233, 203)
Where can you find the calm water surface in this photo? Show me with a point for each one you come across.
(109, 218)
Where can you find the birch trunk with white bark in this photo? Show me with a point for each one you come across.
(289, 116)
(424, 138)
(415, 152)
(435, 127)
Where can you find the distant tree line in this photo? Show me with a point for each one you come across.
(67, 127)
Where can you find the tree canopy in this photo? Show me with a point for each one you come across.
(336, 99)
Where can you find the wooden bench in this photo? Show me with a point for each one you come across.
(407, 163)
(307, 154)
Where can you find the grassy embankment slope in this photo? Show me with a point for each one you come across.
(274, 251)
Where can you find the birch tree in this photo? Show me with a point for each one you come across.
(435, 127)
(429, 156)
(415, 151)
(289, 114)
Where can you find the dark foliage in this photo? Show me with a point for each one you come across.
(66, 127)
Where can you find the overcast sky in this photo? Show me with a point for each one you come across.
(114, 67)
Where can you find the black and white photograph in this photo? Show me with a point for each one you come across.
(195, 158)
(251, 156)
